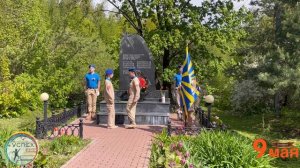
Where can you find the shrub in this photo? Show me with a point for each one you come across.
(225, 149)
(208, 149)
(19, 96)
(222, 87)
(248, 98)
(168, 151)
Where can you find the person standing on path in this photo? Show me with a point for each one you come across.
(109, 96)
(178, 79)
(134, 95)
(92, 87)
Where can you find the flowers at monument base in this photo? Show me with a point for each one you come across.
(176, 154)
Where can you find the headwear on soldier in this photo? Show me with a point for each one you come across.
(109, 71)
(92, 65)
(131, 69)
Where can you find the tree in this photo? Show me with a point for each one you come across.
(4, 70)
(167, 26)
(271, 54)
(46, 46)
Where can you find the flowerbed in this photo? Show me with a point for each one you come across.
(208, 149)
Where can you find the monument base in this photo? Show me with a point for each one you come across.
(151, 111)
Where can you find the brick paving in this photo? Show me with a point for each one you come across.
(115, 148)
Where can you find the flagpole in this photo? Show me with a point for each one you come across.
(184, 105)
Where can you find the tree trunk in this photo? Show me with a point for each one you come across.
(166, 64)
(277, 22)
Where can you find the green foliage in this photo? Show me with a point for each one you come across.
(168, 152)
(4, 70)
(18, 96)
(208, 149)
(46, 46)
(56, 152)
(168, 75)
(65, 144)
(224, 87)
(42, 160)
(52, 153)
(268, 127)
(270, 54)
(219, 149)
(248, 98)
(4, 135)
(212, 30)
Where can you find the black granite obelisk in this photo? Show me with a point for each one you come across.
(134, 53)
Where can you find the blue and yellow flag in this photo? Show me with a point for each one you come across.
(188, 93)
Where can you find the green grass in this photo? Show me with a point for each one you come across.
(283, 129)
(27, 121)
(52, 158)
(12, 124)
(54, 154)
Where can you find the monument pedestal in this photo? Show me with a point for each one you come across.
(134, 53)
(151, 111)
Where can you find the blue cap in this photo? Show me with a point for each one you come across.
(109, 71)
(92, 65)
(131, 69)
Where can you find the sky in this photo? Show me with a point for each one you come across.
(196, 2)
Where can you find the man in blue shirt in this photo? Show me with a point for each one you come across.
(92, 87)
(177, 80)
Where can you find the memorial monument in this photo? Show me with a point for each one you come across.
(134, 53)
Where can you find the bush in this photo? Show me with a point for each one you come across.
(208, 149)
(19, 96)
(166, 151)
(221, 88)
(225, 149)
(248, 98)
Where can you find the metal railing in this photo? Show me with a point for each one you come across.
(204, 123)
(56, 125)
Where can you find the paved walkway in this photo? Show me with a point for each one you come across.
(115, 148)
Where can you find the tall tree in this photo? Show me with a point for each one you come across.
(174, 23)
(271, 56)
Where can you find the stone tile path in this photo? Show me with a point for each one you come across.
(115, 148)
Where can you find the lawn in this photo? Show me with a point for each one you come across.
(267, 126)
(53, 153)
(11, 124)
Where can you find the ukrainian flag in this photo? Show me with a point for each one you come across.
(188, 93)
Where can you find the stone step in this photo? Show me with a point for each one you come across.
(141, 118)
(151, 101)
(157, 99)
(140, 114)
(151, 94)
(144, 107)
